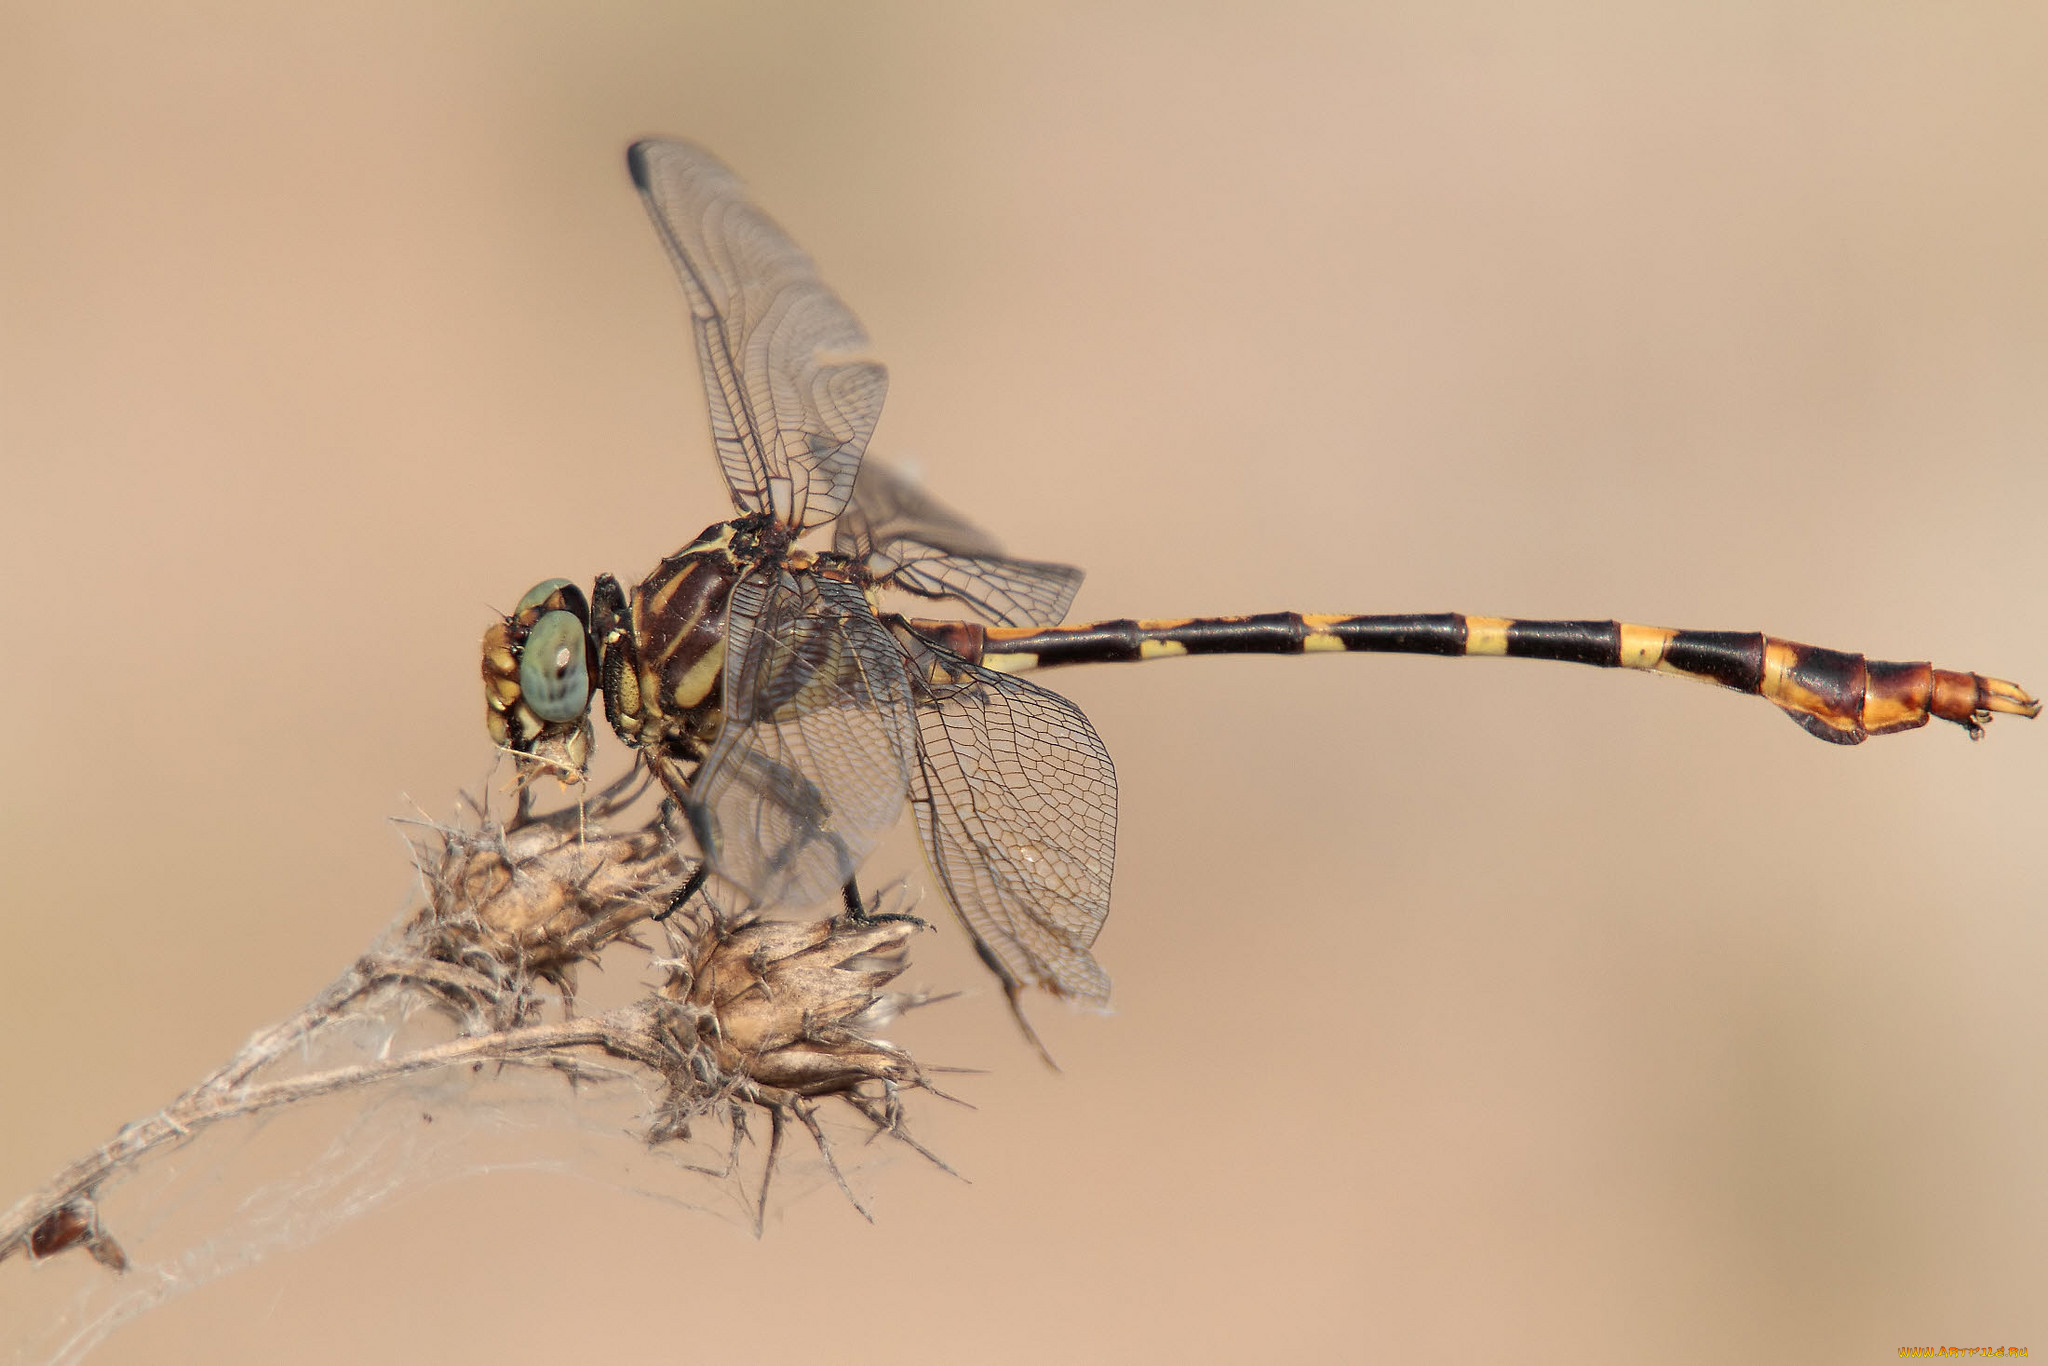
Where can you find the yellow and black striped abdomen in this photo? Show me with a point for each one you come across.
(1840, 697)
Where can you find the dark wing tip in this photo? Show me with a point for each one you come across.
(636, 159)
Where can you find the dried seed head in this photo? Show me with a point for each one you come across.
(752, 1015)
(793, 1005)
(550, 890)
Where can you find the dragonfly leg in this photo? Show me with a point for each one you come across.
(689, 889)
(522, 808)
(858, 913)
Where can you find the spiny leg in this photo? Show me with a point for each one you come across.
(857, 912)
(667, 772)
(522, 805)
(688, 890)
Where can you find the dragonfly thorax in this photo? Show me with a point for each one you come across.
(664, 645)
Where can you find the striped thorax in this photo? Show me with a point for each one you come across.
(664, 646)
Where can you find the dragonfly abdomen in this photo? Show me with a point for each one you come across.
(1838, 696)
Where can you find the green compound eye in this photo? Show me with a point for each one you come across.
(539, 594)
(552, 675)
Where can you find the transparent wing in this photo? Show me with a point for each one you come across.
(814, 759)
(792, 402)
(890, 505)
(910, 540)
(1015, 799)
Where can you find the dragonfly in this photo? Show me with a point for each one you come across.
(791, 718)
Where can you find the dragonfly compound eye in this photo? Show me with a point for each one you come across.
(553, 677)
(539, 594)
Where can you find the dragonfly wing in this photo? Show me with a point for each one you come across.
(910, 540)
(793, 401)
(1003, 592)
(1015, 799)
(891, 505)
(815, 754)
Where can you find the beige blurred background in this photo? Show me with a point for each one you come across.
(1475, 1011)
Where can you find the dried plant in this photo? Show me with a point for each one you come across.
(740, 1019)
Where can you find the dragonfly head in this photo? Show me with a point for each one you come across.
(538, 666)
